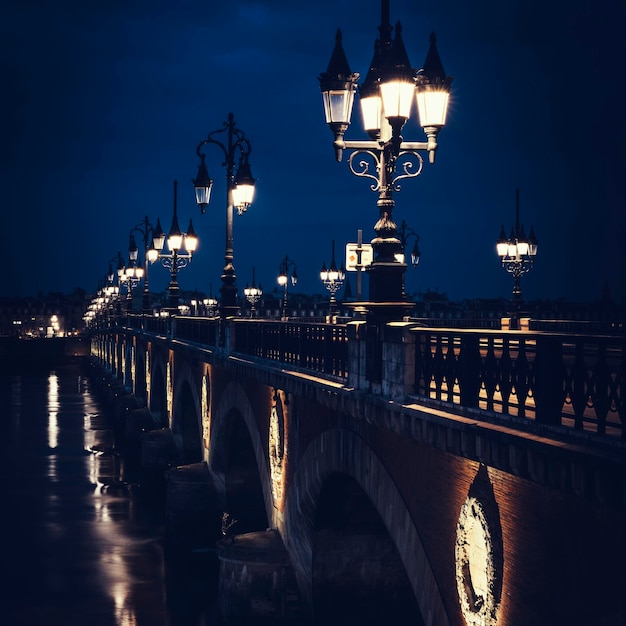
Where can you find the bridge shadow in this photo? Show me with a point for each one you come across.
(358, 576)
(234, 458)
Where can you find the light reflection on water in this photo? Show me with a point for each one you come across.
(83, 545)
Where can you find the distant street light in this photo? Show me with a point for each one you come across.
(284, 277)
(333, 280)
(517, 253)
(253, 294)
(181, 246)
(239, 195)
(386, 96)
(405, 233)
(146, 230)
(131, 274)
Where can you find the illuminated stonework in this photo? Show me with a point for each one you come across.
(132, 369)
(170, 391)
(148, 376)
(277, 449)
(478, 556)
(206, 418)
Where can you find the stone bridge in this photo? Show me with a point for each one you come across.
(373, 473)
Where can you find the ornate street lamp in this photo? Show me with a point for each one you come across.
(239, 195)
(146, 230)
(253, 294)
(284, 277)
(181, 246)
(333, 280)
(130, 275)
(517, 253)
(386, 97)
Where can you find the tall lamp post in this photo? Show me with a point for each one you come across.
(146, 230)
(333, 280)
(386, 97)
(130, 275)
(239, 195)
(253, 294)
(181, 248)
(284, 278)
(517, 253)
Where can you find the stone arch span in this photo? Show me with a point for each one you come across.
(340, 450)
(233, 402)
(186, 418)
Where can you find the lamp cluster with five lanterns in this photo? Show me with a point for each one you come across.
(386, 96)
(333, 278)
(130, 274)
(181, 247)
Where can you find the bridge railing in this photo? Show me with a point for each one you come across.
(565, 379)
(203, 330)
(319, 347)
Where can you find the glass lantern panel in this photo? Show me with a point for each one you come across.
(371, 112)
(158, 242)
(432, 105)
(502, 248)
(191, 243)
(174, 242)
(203, 194)
(512, 250)
(522, 248)
(397, 98)
(338, 105)
(243, 195)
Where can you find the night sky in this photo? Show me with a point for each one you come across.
(105, 102)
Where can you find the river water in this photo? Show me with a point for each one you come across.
(82, 540)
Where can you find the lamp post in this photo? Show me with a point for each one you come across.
(333, 280)
(284, 277)
(253, 294)
(131, 274)
(239, 195)
(386, 97)
(517, 253)
(181, 246)
(405, 233)
(146, 230)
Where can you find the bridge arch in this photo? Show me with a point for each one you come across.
(237, 459)
(186, 419)
(158, 395)
(342, 452)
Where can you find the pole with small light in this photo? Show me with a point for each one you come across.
(239, 194)
(146, 230)
(386, 97)
(181, 247)
(517, 253)
(287, 265)
(405, 233)
(253, 294)
(333, 280)
(129, 274)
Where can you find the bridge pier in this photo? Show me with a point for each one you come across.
(256, 580)
(158, 454)
(192, 510)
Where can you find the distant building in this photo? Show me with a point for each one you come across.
(50, 315)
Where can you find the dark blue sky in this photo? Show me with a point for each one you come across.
(105, 104)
